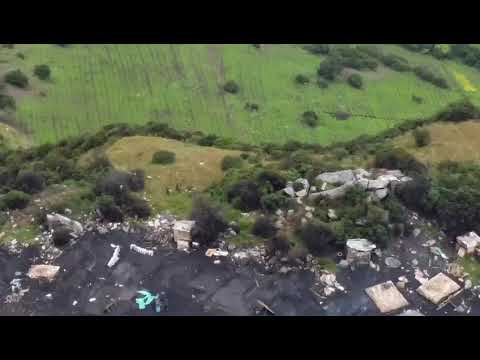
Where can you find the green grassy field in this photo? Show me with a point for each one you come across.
(95, 85)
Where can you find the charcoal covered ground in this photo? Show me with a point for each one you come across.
(194, 285)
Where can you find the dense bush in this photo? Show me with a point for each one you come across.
(302, 79)
(264, 227)
(459, 111)
(30, 182)
(14, 200)
(280, 243)
(417, 99)
(163, 157)
(276, 180)
(356, 81)
(396, 63)
(16, 78)
(398, 158)
(414, 194)
(116, 184)
(426, 74)
(108, 209)
(208, 140)
(322, 84)
(422, 137)
(43, 72)
(316, 236)
(7, 102)
(231, 87)
(272, 202)
(137, 207)
(329, 69)
(318, 49)
(136, 181)
(310, 118)
(61, 236)
(252, 107)
(245, 195)
(209, 221)
(230, 162)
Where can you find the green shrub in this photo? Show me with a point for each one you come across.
(231, 87)
(422, 137)
(264, 227)
(459, 111)
(276, 180)
(14, 200)
(398, 158)
(208, 140)
(137, 207)
(322, 84)
(396, 63)
(273, 202)
(316, 236)
(7, 102)
(43, 72)
(16, 78)
(302, 79)
(318, 49)
(245, 195)
(136, 182)
(209, 221)
(252, 107)
(108, 209)
(163, 157)
(329, 69)
(426, 74)
(310, 118)
(356, 81)
(30, 182)
(417, 99)
(230, 162)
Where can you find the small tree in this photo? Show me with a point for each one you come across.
(163, 157)
(16, 78)
(231, 87)
(264, 227)
(7, 102)
(230, 162)
(302, 79)
(209, 221)
(310, 118)
(422, 137)
(43, 72)
(30, 182)
(14, 200)
(356, 81)
(108, 209)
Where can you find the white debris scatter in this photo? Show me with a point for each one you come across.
(420, 276)
(75, 302)
(216, 252)
(392, 262)
(438, 288)
(92, 300)
(115, 257)
(387, 297)
(48, 296)
(141, 250)
(437, 251)
(46, 272)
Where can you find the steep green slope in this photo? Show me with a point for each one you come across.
(95, 85)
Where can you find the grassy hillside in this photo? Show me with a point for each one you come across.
(95, 85)
(450, 141)
(195, 168)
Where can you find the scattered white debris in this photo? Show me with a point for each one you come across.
(216, 252)
(115, 257)
(47, 272)
(91, 300)
(48, 296)
(438, 288)
(140, 250)
(75, 302)
(420, 276)
(437, 251)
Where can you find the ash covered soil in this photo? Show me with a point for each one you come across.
(195, 285)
